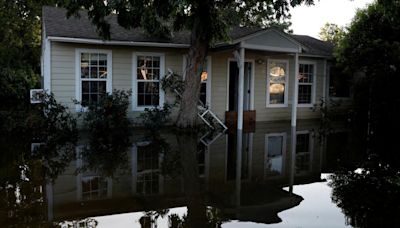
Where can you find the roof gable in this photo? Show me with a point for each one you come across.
(270, 40)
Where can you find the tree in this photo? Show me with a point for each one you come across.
(208, 20)
(372, 47)
(332, 33)
(20, 43)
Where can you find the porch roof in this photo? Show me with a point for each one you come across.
(80, 30)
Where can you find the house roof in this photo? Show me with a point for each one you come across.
(56, 24)
(314, 46)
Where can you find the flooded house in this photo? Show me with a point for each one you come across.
(250, 77)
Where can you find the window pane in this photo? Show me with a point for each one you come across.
(102, 59)
(203, 92)
(148, 93)
(148, 68)
(275, 145)
(277, 93)
(277, 82)
(84, 65)
(93, 72)
(305, 94)
(94, 59)
(93, 91)
(102, 72)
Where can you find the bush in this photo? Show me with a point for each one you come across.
(109, 133)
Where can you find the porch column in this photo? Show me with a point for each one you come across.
(294, 122)
(241, 89)
(295, 90)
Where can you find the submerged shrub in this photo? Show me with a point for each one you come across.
(155, 118)
(109, 133)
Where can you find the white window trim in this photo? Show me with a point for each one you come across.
(284, 138)
(135, 173)
(209, 76)
(313, 86)
(135, 106)
(80, 175)
(285, 104)
(78, 81)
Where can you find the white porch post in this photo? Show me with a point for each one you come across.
(295, 90)
(241, 89)
(294, 122)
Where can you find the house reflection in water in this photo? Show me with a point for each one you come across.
(240, 173)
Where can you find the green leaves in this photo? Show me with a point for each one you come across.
(160, 18)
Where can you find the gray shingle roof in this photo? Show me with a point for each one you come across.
(314, 46)
(57, 25)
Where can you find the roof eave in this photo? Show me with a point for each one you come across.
(115, 42)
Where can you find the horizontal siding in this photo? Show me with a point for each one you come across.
(63, 77)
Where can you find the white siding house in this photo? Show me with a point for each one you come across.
(280, 76)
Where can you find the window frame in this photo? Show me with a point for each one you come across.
(286, 93)
(310, 150)
(313, 84)
(135, 81)
(284, 141)
(78, 78)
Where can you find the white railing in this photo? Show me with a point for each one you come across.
(202, 110)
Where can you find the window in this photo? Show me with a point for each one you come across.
(303, 152)
(306, 79)
(205, 86)
(148, 170)
(148, 70)
(339, 83)
(93, 75)
(277, 83)
(93, 187)
(275, 147)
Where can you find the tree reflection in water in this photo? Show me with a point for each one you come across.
(36, 145)
(369, 196)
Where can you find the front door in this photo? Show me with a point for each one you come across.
(234, 86)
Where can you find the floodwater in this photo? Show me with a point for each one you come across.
(254, 178)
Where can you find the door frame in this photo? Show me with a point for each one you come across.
(252, 75)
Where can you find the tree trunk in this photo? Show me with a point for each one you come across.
(199, 43)
(195, 202)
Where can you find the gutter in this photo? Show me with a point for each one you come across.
(115, 42)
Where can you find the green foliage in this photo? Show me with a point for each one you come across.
(55, 127)
(48, 123)
(372, 46)
(173, 84)
(155, 118)
(326, 108)
(109, 133)
(332, 33)
(370, 196)
(162, 18)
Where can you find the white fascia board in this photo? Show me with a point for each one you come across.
(316, 56)
(112, 42)
(47, 65)
(271, 48)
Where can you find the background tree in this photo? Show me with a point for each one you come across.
(332, 33)
(208, 20)
(372, 46)
(19, 49)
